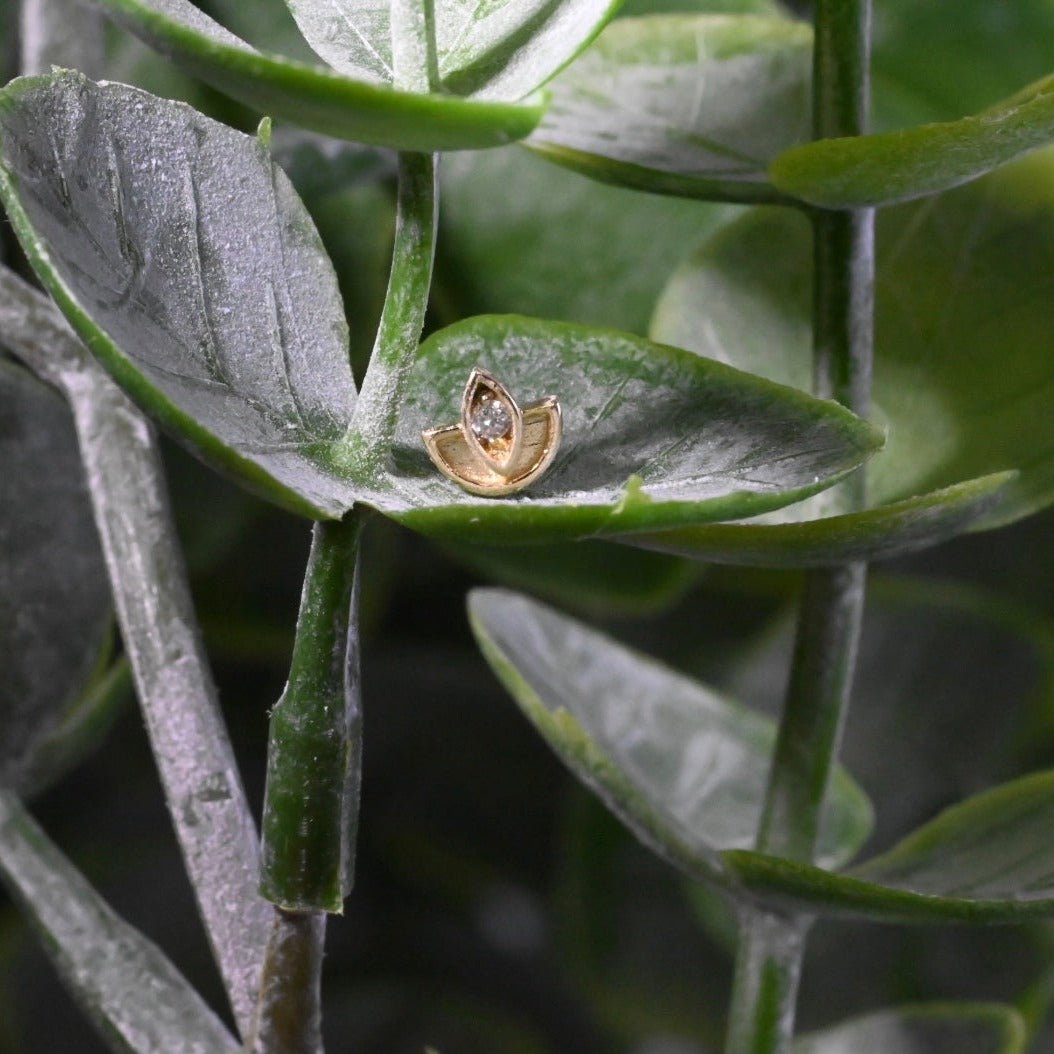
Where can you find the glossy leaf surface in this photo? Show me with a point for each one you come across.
(138, 1000)
(689, 105)
(961, 366)
(925, 1029)
(182, 256)
(500, 50)
(987, 859)
(315, 97)
(652, 435)
(897, 166)
(682, 766)
(54, 596)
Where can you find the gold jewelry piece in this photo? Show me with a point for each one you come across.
(497, 448)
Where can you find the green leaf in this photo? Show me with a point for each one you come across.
(318, 98)
(988, 859)
(898, 166)
(517, 234)
(594, 577)
(690, 105)
(879, 533)
(962, 357)
(653, 436)
(682, 766)
(138, 1000)
(54, 595)
(966, 1028)
(182, 256)
(499, 50)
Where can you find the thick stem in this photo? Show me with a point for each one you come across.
(403, 318)
(313, 758)
(769, 964)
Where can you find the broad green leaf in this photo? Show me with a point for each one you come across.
(988, 859)
(966, 1028)
(54, 596)
(182, 256)
(499, 50)
(690, 105)
(897, 166)
(517, 234)
(962, 352)
(138, 1000)
(593, 577)
(315, 97)
(682, 766)
(634, 8)
(652, 436)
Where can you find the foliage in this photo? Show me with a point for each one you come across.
(679, 249)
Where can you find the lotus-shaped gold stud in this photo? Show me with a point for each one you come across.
(497, 448)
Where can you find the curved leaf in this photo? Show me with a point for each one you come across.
(520, 235)
(962, 367)
(988, 859)
(653, 436)
(138, 1000)
(897, 166)
(691, 105)
(875, 534)
(54, 595)
(318, 98)
(182, 256)
(499, 50)
(682, 766)
(966, 1028)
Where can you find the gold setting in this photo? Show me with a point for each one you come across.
(475, 455)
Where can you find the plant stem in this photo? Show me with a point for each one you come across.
(154, 609)
(311, 800)
(769, 961)
(402, 320)
(289, 1019)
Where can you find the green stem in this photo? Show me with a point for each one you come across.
(402, 320)
(769, 962)
(311, 798)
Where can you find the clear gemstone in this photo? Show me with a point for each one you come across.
(491, 419)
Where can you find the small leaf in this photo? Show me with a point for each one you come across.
(682, 766)
(961, 368)
(653, 436)
(138, 1000)
(898, 166)
(182, 256)
(500, 50)
(520, 235)
(318, 98)
(988, 859)
(691, 105)
(54, 594)
(879, 533)
(966, 1028)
